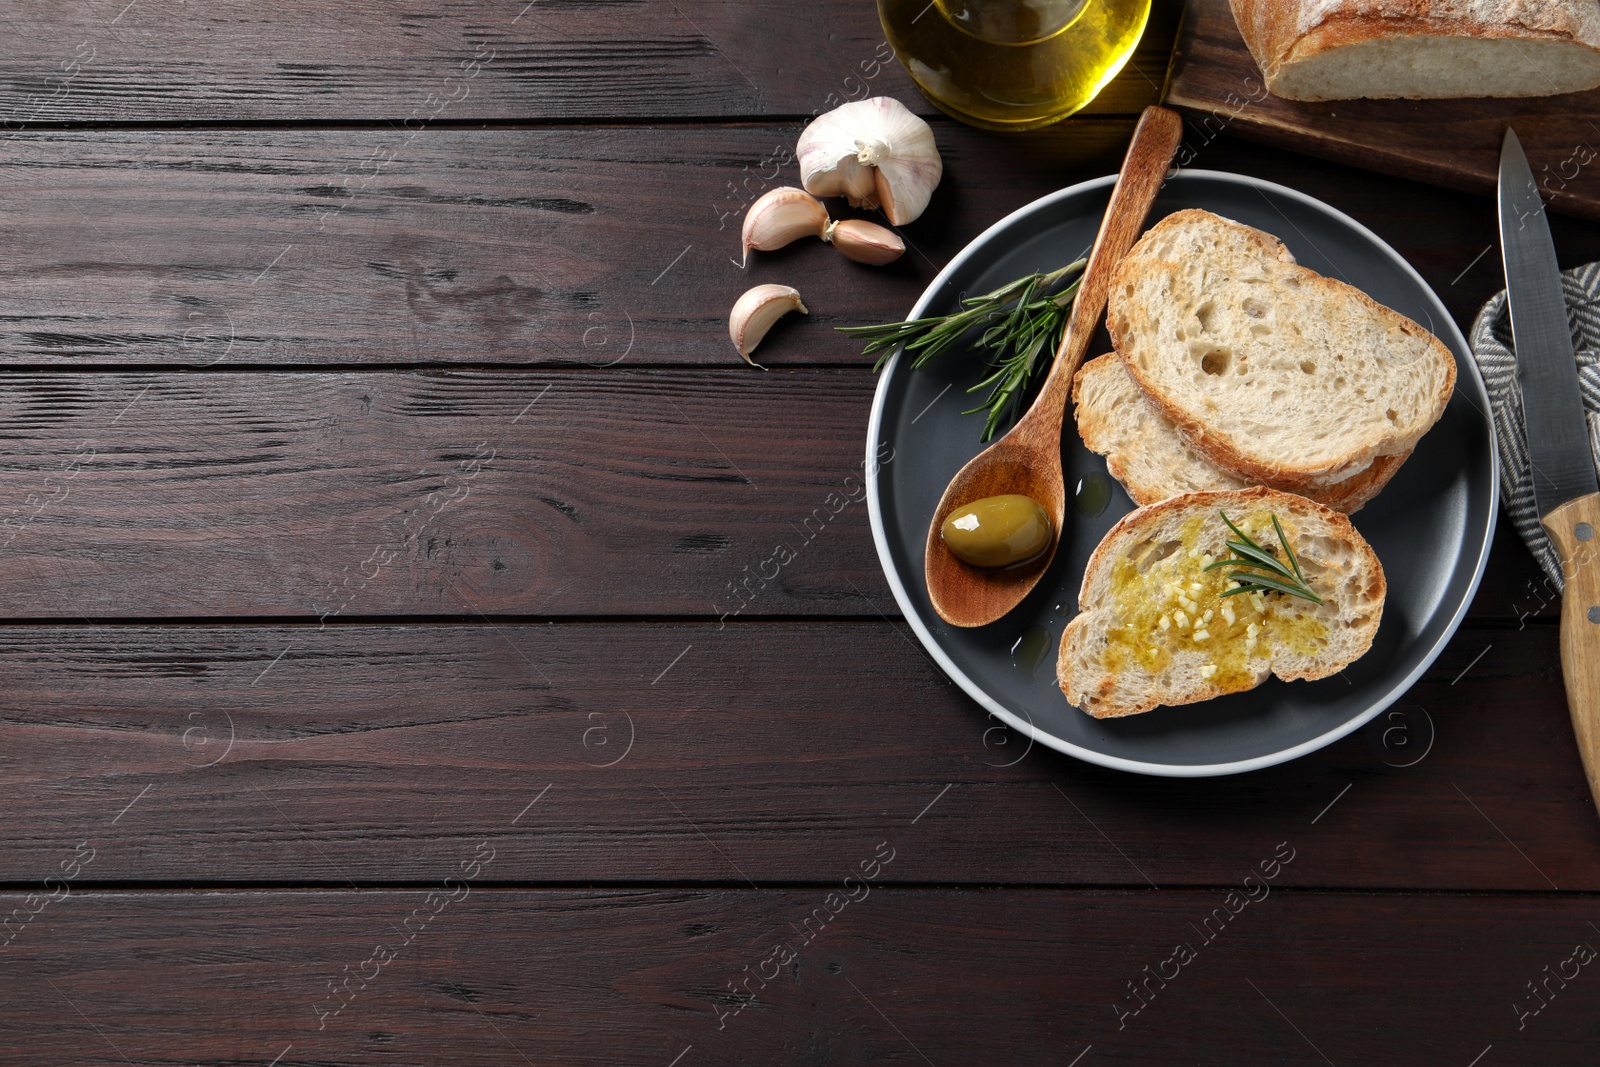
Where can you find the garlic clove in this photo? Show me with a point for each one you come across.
(865, 242)
(877, 139)
(856, 181)
(754, 313)
(905, 184)
(783, 215)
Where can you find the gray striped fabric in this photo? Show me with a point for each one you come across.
(1492, 348)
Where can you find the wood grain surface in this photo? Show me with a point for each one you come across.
(616, 492)
(620, 492)
(1571, 527)
(582, 247)
(206, 248)
(1448, 142)
(376, 484)
(419, 62)
(449, 973)
(693, 754)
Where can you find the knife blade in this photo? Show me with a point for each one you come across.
(1564, 484)
(1558, 433)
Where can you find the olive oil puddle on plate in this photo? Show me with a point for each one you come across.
(1031, 649)
(1093, 495)
(1091, 498)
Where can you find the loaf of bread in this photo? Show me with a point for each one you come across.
(1272, 372)
(1146, 453)
(1344, 49)
(1154, 627)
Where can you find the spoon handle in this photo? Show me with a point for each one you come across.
(1155, 140)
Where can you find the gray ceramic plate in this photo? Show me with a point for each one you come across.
(1431, 527)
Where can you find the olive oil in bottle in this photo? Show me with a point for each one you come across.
(1012, 64)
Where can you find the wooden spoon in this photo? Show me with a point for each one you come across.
(1028, 459)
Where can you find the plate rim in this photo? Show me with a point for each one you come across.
(1169, 770)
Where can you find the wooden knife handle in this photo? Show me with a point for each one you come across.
(1574, 529)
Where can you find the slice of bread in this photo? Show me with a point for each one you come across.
(1340, 49)
(1146, 453)
(1271, 371)
(1146, 635)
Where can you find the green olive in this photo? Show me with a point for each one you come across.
(997, 531)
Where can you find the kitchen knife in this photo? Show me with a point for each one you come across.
(1564, 484)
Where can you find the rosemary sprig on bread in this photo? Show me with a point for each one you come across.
(1256, 570)
(1156, 624)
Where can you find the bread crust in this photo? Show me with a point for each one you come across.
(1133, 526)
(1224, 454)
(1096, 429)
(1281, 32)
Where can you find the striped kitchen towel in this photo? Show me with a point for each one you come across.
(1493, 349)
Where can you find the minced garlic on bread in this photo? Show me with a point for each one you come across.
(1154, 628)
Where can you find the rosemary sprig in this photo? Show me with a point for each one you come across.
(1257, 570)
(1020, 320)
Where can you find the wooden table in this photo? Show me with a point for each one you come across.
(375, 465)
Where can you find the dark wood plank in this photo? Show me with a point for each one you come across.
(1514, 589)
(317, 495)
(468, 60)
(692, 754)
(567, 247)
(472, 976)
(1450, 142)
(615, 492)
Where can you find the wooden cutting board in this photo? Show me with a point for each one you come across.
(1454, 143)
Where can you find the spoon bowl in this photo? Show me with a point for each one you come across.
(1010, 465)
(1027, 460)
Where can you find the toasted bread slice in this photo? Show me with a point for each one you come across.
(1271, 371)
(1146, 453)
(1154, 628)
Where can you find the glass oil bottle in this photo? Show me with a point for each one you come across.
(1012, 64)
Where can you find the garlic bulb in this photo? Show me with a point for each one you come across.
(865, 242)
(781, 216)
(754, 313)
(874, 151)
